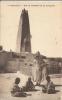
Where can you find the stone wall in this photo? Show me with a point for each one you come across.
(3, 60)
(13, 62)
(54, 65)
(23, 63)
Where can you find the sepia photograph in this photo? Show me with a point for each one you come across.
(30, 50)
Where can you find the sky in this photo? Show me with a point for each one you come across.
(45, 25)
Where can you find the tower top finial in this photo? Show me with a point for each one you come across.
(24, 11)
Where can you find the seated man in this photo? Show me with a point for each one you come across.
(16, 90)
(29, 85)
(49, 87)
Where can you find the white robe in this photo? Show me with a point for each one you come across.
(34, 70)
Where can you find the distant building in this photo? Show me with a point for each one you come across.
(23, 36)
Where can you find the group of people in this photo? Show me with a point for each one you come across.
(21, 92)
(39, 72)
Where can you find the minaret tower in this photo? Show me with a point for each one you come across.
(23, 36)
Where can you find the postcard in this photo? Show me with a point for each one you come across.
(30, 50)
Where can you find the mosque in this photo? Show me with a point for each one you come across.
(22, 59)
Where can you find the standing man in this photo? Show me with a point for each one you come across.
(36, 70)
(39, 69)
